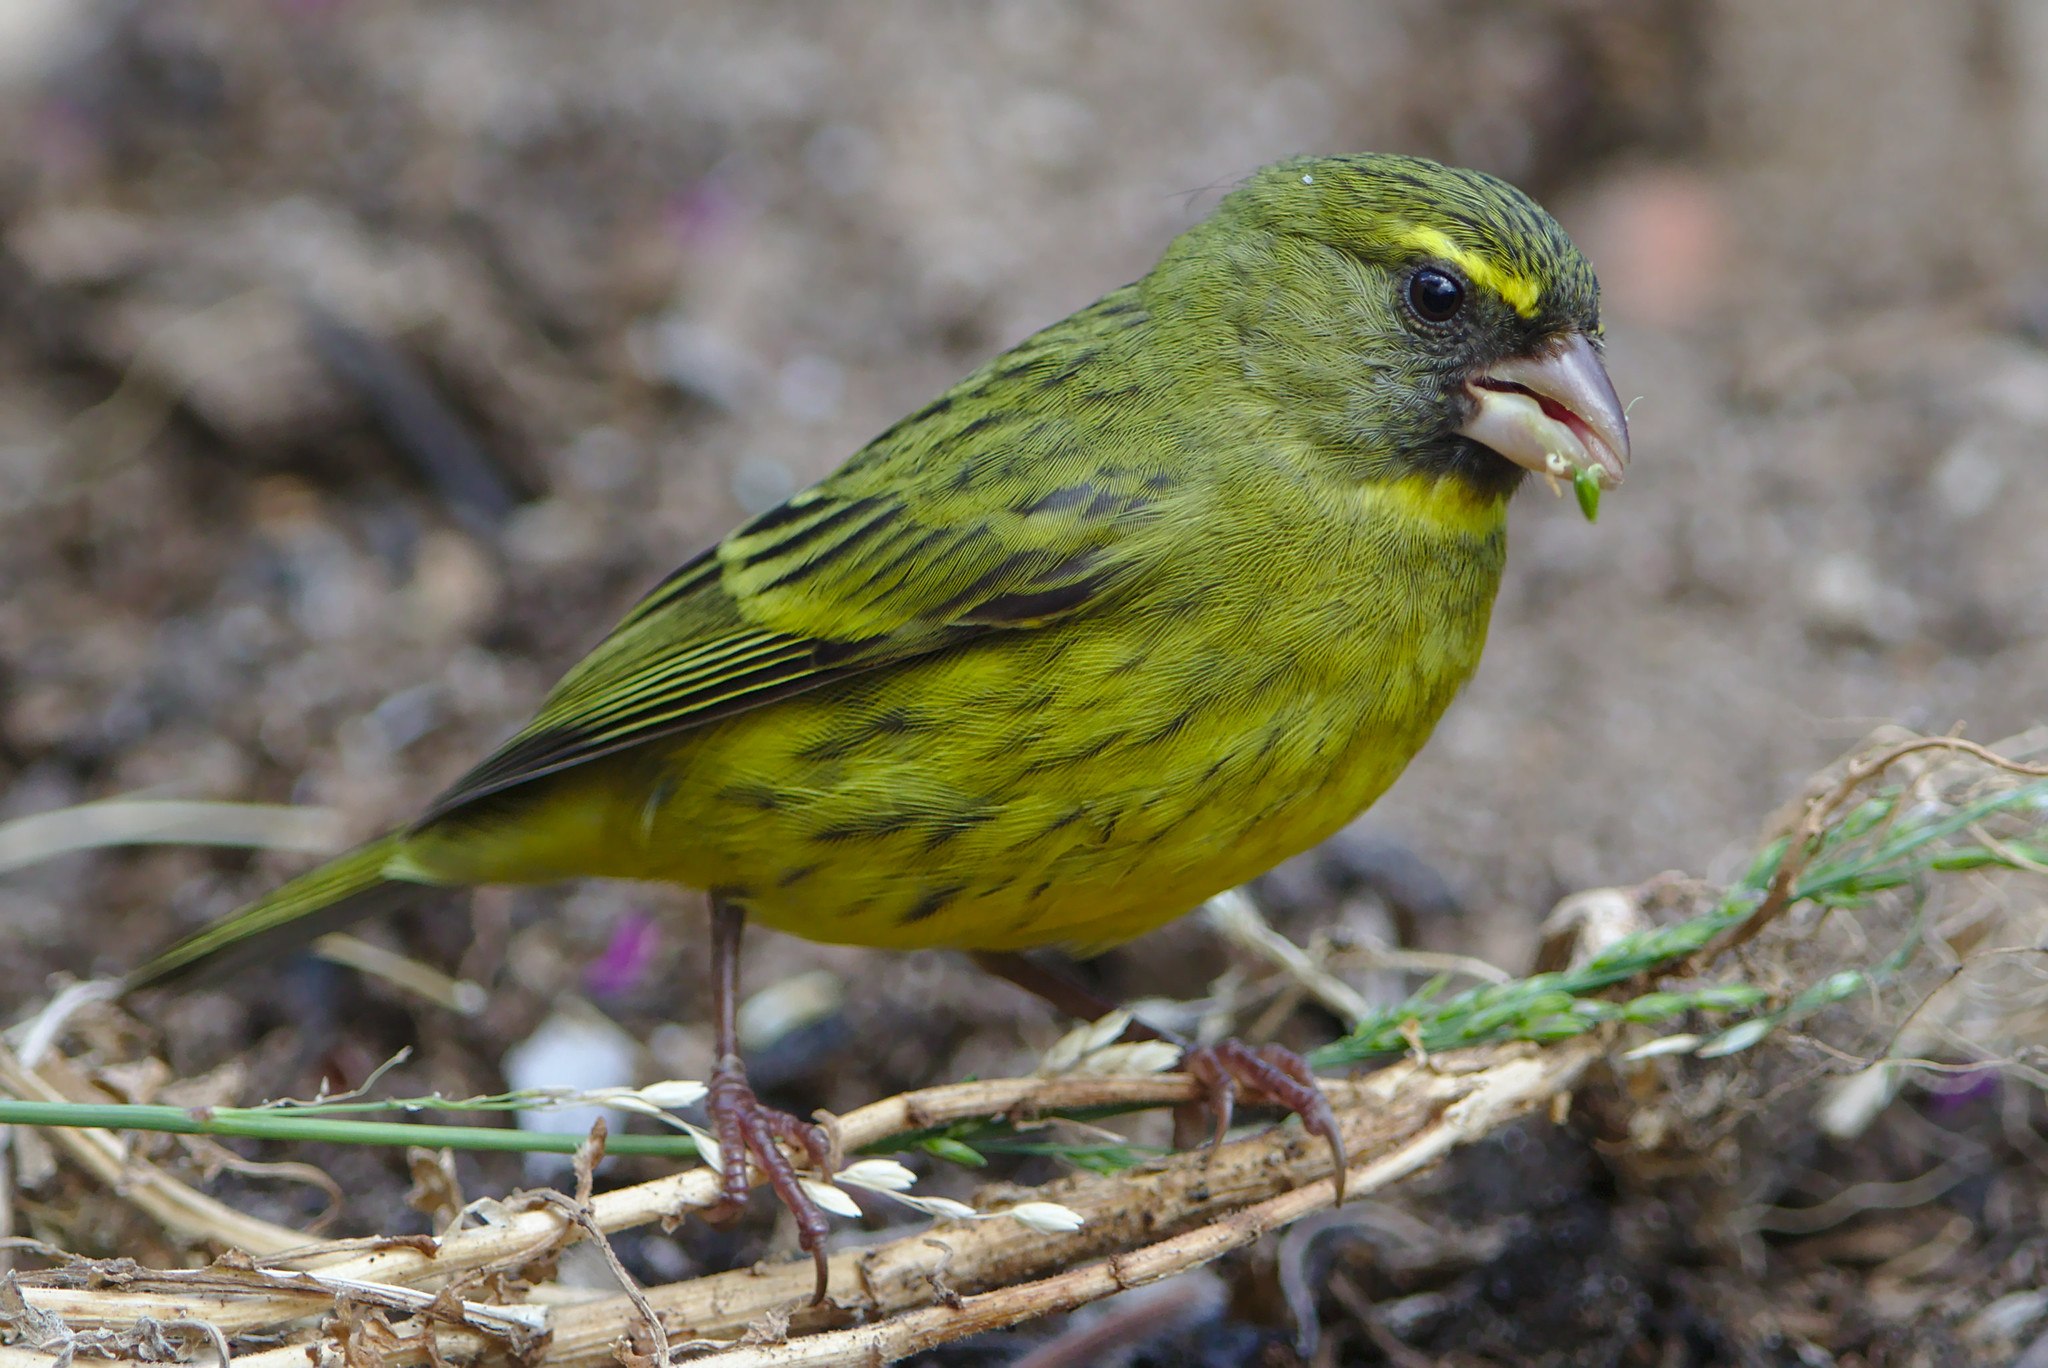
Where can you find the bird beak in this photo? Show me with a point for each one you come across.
(1554, 412)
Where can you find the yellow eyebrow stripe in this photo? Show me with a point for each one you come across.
(1519, 291)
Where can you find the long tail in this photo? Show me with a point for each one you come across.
(345, 889)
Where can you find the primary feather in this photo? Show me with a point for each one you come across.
(1155, 599)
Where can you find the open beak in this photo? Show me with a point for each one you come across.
(1554, 412)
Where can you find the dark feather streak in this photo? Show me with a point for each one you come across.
(1065, 497)
(558, 748)
(1010, 610)
(832, 552)
(953, 825)
(931, 901)
(782, 515)
(811, 532)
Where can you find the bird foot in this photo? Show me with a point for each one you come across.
(1230, 1071)
(749, 1131)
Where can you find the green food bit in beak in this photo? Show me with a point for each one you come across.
(1586, 484)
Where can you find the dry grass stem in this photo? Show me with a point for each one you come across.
(1801, 841)
(159, 821)
(176, 1207)
(1141, 1226)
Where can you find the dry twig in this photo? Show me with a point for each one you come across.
(1801, 842)
(1141, 1226)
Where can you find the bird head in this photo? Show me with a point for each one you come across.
(1423, 319)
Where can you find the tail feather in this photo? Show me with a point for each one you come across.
(345, 889)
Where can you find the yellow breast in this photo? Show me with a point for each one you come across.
(1081, 784)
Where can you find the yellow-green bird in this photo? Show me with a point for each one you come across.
(1155, 599)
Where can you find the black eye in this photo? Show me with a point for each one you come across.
(1435, 296)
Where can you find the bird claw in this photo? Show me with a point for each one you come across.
(748, 1131)
(1230, 1070)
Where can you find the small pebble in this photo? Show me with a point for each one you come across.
(576, 1049)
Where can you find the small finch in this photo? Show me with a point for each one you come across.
(1159, 597)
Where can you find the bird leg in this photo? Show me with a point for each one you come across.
(1228, 1071)
(1273, 1074)
(746, 1129)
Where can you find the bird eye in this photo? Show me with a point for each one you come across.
(1435, 295)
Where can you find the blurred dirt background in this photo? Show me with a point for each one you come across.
(360, 360)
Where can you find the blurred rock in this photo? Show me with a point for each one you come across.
(38, 36)
(1844, 597)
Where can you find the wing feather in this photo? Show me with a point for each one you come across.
(996, 511)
